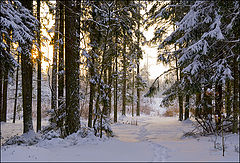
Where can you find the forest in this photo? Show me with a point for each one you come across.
(73, 71)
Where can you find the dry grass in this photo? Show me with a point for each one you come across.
(192, 111)
(171, 111)
(84, 112)
(146, 110)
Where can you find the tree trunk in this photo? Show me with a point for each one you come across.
(207, 102)
(109, 93)
(138, 64)
(61, 58)
(26, 63)
(95, 39)
(1, 92)
(116, 85)
(5, 91)
(227, 97)
(16, 93)
(39, 75)
(235, 94)
(5, 83)
(180, 100)
(72, 67)
(92, 93)
(60, 48)
(27, 70)
(54, 64)
(133, 89)
(105, 100)
(187, 106)
(138, 89)
(198, 104)
(218, 102)
(124, 77)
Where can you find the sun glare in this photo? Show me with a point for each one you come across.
(47, 21)
(150, 57)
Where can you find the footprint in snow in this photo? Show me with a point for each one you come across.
(160, 152)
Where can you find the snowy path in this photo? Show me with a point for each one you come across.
(164, 135)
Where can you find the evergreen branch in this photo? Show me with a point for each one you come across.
(153, 89)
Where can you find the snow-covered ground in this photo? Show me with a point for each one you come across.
(152, 139)
(165, 136)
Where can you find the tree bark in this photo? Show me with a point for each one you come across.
(133, 89)
(138, 90)
(138, 64)
(180, 100)
(92, 93)
(5, 91)
(116, 82)
(218, 102)
(16, 93)
(27, 70)
(72, 67)
(227, 97)
(1, 92)
(95, 39)
(124, 77)
(207, 102)
(109, 92)
(5, 83)
(39, 74)
(198, 103)
(27, 89)
(54, 64)
(61, 57)
(60, 74)
(187, 106)
(235, 94)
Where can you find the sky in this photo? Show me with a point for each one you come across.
(150, 55)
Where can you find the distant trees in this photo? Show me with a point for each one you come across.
(169, 13)
(112, 39)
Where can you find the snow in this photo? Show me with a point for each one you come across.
(76, 148)
(154, 138)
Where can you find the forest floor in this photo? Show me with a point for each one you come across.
(154, 138)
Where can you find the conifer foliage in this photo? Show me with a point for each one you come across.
(206, 52)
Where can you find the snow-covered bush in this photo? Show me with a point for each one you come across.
(237, 148)
(29, 138)
(102, 124)
(51, 134)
